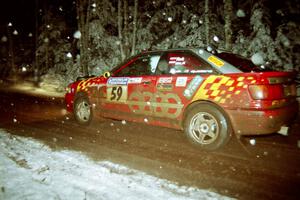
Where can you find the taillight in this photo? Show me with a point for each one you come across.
(266, 92)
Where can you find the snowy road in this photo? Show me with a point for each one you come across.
(254, 168)
(31, 170)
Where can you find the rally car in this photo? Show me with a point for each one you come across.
(208, 95)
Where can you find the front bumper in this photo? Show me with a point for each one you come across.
(259, 122)
(69, 101)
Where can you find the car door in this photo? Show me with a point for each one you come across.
(129, 91)
(179, 75)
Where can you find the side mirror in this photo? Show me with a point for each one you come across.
(106, 74)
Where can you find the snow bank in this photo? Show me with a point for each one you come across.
(31, 170)
(45, 89)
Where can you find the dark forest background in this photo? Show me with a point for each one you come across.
(83, 37)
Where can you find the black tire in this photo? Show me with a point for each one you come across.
(83, 111)
(207, 127)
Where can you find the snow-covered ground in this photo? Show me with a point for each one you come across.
(44, 90)
(29, 169)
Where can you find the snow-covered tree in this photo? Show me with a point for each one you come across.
(227, 16)
(55, 51)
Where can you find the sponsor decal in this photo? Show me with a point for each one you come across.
(135, 80)
(165, 80)
(192, 87)
(164, 87)
(117, 81)
(177, 61)
(181, 81)
(216, 61)
(202, 71)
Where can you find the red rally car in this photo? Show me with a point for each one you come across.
(208, 95)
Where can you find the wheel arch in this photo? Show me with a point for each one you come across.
(80, 94)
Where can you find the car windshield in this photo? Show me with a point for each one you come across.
(243, 64)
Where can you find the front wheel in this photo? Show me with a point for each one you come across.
(83, 111)
(207, 127)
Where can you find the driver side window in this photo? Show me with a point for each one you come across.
(143, 66)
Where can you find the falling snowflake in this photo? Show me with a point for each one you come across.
(69, 55)
(257, 58)
(9, 24)
(15, 120)
(63, 111)
(170, 19)
(123, 122)
(4, 39)
(30, 34)
(216, 39)
(146, 120)
(94, 5)
(77, 34)
(252, 142)
(209, 48)
(15, 32)
(240, 13)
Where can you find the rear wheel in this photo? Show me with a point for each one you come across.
(83, 111)
(207, 127)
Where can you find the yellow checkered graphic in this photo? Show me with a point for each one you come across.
(216, 93)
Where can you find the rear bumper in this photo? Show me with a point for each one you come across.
(258, 122)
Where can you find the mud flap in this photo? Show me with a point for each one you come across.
(283, 130)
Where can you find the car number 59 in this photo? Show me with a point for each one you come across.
(117, 93)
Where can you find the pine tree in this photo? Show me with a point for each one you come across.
(228, 31)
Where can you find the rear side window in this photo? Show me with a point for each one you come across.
(243, 64)
(182, 63)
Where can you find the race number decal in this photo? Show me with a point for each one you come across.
(117, 93)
